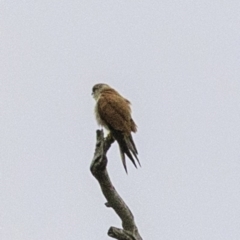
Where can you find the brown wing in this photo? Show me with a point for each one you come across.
(115, 112)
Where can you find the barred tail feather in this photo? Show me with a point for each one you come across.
(127, 147)
(123, 159)
(131, 145)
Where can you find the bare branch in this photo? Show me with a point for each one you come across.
(99, 171)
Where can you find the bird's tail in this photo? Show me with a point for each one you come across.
(127, 146)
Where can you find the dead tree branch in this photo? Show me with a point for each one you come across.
(99, 171)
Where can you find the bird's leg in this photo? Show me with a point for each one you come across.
(108, 140)
(109, 137)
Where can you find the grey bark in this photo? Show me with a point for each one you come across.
(99, 171)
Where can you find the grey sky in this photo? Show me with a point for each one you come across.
(176, 61)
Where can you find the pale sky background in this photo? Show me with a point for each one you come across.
(178, 62)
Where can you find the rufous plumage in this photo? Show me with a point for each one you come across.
(113, 112)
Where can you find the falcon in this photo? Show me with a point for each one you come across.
(113, 112)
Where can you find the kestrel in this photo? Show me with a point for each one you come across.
(113, 112)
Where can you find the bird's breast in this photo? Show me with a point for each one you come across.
(100, 121)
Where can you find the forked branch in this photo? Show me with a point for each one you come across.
(99, 171)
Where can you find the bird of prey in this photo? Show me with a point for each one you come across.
(113, 112)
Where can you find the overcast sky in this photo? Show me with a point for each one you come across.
(178, 62)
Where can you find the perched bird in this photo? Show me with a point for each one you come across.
(113, 112)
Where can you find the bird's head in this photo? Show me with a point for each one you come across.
(98, 88)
